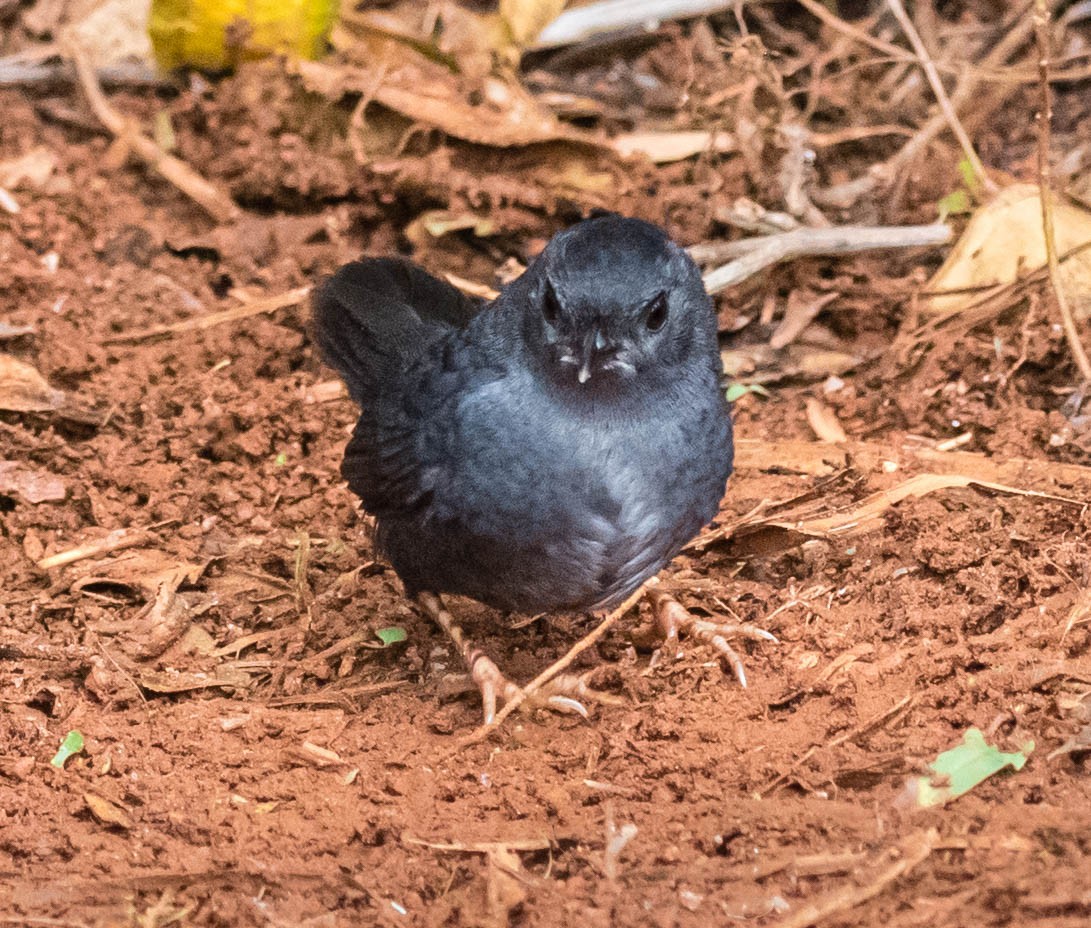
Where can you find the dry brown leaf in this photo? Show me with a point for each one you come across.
(867, 515)
(35, 486)
(801, 310)
(506, 116)
(435, 223)
(107, 812)
(23, 389)
(174, 681)
(1004, 241)
(146, 570)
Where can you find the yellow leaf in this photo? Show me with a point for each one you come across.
(526, 18)
(1004, 241)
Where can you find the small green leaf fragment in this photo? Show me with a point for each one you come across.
(391, 635)
(281, 459)
(72, 744)
(954, 204)
(960, 769)
(738, 390)
(969, 176)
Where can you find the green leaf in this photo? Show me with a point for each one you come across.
(72, 744)
(960, 769)
(281, 459)
(954, 204)
(391, 635)
(739, 390)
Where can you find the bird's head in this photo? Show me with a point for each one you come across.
(613, 300)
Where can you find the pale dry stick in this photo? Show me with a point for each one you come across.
(114, 541)
(585, 22)
(214, 201)
(929, 67)
(19, 72)
(1045, 192)
(483, 731)
(915, 850)
(801, 242)
(199, 323)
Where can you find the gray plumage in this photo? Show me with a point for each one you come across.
(550, 450)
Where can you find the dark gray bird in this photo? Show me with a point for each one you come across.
(551, 450)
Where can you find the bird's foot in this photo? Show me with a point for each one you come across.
(563, 693)
(673, 619)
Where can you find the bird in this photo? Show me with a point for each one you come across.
(548, 451)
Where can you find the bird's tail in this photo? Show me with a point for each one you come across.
(374, 316)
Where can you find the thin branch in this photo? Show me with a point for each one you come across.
(914, 851)
(214, 201)
(837, 241)
(200, 323)
(1045, 192)
(948, 110)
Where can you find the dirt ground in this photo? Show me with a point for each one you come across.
(253, 756)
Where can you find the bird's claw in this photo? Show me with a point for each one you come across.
(561, 694)
(673, 619)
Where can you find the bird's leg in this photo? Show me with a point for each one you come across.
(672, 618)
(559, 694)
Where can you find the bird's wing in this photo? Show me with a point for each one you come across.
(382, 323)
(374, 317)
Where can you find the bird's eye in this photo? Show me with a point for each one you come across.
(655, 314)
(551, 307)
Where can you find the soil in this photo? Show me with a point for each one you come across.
(254, 756)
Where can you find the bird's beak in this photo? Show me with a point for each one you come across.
(593, 343)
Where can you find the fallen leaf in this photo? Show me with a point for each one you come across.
(504, 116)
(174, 681)
(35, 486)
(959, 770)
(204, 34)
(436, 223)
(23, 389)
(392, 635)
(1004, 241)
(72, 744)
(107, 812)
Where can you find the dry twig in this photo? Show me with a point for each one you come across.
(1045, 118)
(914, 850)
(199, 323)
(929, 67)
(215, 202)
(836, 241)
(114, 541)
